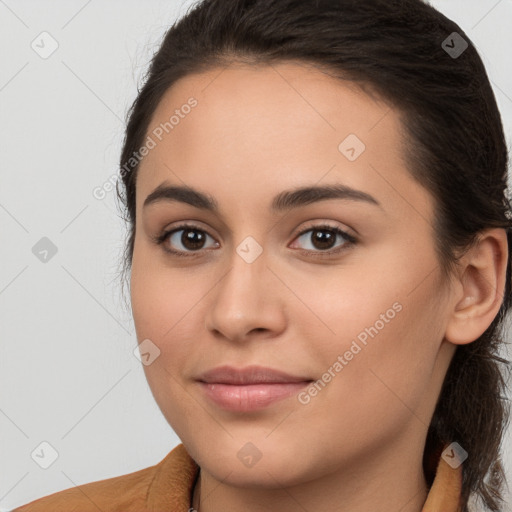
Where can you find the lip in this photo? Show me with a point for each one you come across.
(249, 375)
(250, 388)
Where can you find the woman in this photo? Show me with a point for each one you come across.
(359, 370)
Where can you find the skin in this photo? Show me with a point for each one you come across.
(358, 444)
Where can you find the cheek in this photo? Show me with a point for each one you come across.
(383, 376)
(167, 308)
(167, 318)
(161, 297)
(163, 312)
(386, 329)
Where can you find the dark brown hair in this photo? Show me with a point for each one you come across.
(453, 141)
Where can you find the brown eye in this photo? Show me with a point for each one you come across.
(322, 239)
(184, 239)
(192, 239)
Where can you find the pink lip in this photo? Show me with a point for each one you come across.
(250, 388)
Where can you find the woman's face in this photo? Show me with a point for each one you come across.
(359, 319)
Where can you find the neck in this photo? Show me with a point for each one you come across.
(196, 496)
(386, 482)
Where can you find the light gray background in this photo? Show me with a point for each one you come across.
(68, 375)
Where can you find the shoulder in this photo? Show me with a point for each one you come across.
(122, 492)
(130, 492)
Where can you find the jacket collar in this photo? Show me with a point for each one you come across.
(177, 472)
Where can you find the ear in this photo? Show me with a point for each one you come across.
(479, 289)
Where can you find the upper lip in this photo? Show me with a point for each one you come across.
(248, 375)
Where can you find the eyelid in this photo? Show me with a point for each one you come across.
(318, 225)
(350, 239)
(168, 232)
(326, 224)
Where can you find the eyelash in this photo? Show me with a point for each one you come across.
(349, 240)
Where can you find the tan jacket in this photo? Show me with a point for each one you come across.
(167, 487)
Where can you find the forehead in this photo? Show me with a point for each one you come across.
(281, 125)
(268, 108)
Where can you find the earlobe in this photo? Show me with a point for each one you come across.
(480, 289)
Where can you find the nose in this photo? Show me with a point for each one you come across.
(247, 301)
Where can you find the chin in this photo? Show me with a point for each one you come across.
(269, 464)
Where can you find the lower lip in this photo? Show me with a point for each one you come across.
(250, 397)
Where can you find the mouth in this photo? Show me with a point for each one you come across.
(249, 389)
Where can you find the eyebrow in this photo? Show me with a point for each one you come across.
(283, 201)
